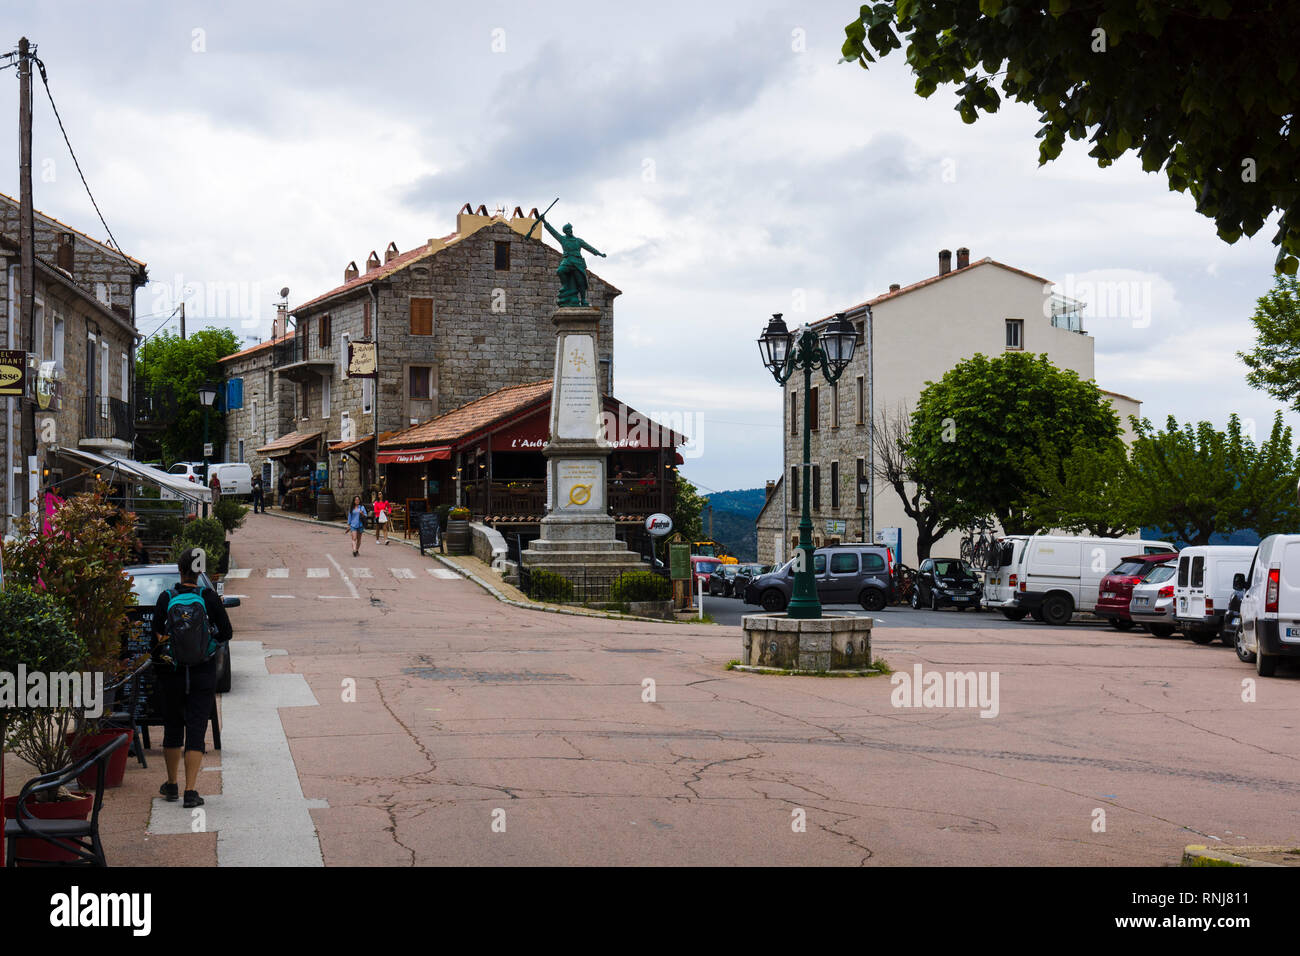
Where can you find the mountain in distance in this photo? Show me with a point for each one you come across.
(734, 514)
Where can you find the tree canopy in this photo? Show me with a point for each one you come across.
(169, 372)
(976, 431)
(1204, 89)
(1274, 362)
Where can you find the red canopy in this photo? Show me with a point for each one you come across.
(411, 456)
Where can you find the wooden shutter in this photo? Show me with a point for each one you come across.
(421, 316)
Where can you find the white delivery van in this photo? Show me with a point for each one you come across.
(1058, 575)
(1203, 587)
(1000, 580)
(236, 477)
(1270, 611)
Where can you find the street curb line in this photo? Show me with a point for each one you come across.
(486, 586)
(1196, 855)
(791, 672)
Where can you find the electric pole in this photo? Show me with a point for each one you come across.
(182, 321)
(27, 259)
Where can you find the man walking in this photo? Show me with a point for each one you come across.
(257, 495)
(189, 626)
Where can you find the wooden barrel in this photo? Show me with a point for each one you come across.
(458, 540)
(325, 507)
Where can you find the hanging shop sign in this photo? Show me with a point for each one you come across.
(13, 372)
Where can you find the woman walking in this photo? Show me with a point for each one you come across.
(382, 516)
(356, 523)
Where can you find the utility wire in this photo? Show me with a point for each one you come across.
(46, 81)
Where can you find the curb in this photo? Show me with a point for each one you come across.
(485, 585)
(784, 672)
(1196, 855)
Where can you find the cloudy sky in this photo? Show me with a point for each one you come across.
(719, 153)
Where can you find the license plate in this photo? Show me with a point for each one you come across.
(1139, 602)
(1182, 604)
(1108, 594)
(1292, 633)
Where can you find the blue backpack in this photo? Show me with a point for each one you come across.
(189, 632)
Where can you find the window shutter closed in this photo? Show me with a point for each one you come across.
(421, 316)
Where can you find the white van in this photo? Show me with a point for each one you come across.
(1000, 580)
(236, 477)
(1203, 587)
(1058, 575)
(1270, 611)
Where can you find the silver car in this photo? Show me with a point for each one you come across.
(1152, 603)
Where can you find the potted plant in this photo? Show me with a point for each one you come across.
(458, 536)
(36, 633)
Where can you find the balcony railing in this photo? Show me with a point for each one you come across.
(108, 418)
(528, 498)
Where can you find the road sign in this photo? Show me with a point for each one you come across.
(207, 450)
(834, 525)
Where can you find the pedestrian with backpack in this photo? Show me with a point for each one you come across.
(189, 626)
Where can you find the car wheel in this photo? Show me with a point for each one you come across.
(773, 601)
(1161, 630)
(934, 601)
(1202, 637)
(872, 599)
(1014, 614)
(1037, 614)
(223, 670)
(1243, 655)
(916, 601)
(1057, 610)
(1120, 624)
(1265, 664)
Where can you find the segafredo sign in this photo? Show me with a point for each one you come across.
(659, 525)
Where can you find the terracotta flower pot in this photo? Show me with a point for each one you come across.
(34, 848)
(116, 762)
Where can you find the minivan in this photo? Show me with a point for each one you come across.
(845, 574)
(1203, 588)
(1000, 580)
(1270, 611)
(1058, 575)
(236, 477)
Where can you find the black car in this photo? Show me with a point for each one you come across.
(150, 580)
(946, 582)
(722, 581)
(745, 574)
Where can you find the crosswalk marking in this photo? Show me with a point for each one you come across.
(443, 573)
(402, 572)
(362, 572)
(277, 572)
(318, 572)
(288, 596)
(238, 573)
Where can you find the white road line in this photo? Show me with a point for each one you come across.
(352, 588)
(240, 596)
(443, 573)
(318, 572)
(286, 596)
(277, 572)
(333, 597)
(362, 573)
(238, 573)
(402, 572)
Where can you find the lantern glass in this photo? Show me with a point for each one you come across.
(774, 345)
(838, 339)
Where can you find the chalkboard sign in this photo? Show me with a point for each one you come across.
(679, 561)
(149, 705)
(430, 531)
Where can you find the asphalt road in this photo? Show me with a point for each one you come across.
(486, 734)
(729, 611)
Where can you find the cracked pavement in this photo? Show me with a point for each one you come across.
(465, 707)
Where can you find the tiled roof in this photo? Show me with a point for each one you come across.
(256, 348)
(104, 245)
(471, 416)
(340, 446)
(288, 442)
(400, 261)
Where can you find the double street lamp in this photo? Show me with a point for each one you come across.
(784, 352)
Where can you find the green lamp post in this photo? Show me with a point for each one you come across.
(783, 353)
(207, 395)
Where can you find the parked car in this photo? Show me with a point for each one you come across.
(1204, 588)
(236, 477)
(150, 580)
(746, 573)
(1116, 588)
(1058, 575)
(1270, 609)
(702, 567)
(193, 470)
(1232, 620)
(946, 582)
(845, 574)
(1152, 602)
(723, 580)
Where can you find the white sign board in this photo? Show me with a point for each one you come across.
(659, 525)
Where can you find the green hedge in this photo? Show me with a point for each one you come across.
(640, 586)
(546, 585)
(229, 512)
(205, 533)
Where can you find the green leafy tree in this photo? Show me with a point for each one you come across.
(169, 371)
(1274, 362)
(976, 432)
(687, 507)
(1204, 89)
(1092, 490)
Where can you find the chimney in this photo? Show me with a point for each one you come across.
(945, 261)
(281, 321)
(64, 257)
(894, 287)
(390, 253)
(373, 262)
(771, 487)
(350, 272)
(963, 257)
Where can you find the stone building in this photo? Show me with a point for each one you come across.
(453, 320)
(918, 332)
(84, 345)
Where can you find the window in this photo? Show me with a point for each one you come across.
(344, 340)
(324, 397)
(324, 340)
(819, 564)
(835, 405)
(304, 329)
(420, 385)
(502, 256)
(814, 409)
(241, 449)
(794, 488)
(873, 562)
(835, 484)
(367, 395)
(365, 320)
(103, 376)
(421, 317)
(1015, 334)
(1183, 564)
(252, 416)
(816, 489)
(794, 413)
(861, 399)
(126, 378)
(58, 341)
(1198, 572)
(844, 562)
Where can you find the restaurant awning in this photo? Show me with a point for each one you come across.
(176, 484)
(287, 444)
(411, 456)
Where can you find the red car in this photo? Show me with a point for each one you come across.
(1117, 587)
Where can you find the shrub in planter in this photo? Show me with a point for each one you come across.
(458, 514)
(546, 585)
(640, 586)
(230, 513)
(205, 533)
